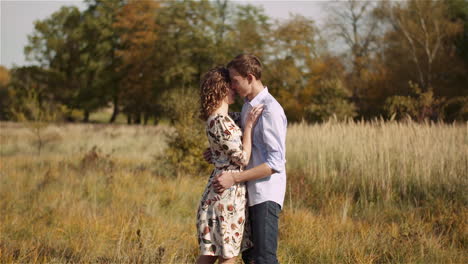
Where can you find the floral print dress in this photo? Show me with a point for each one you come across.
(222, 226)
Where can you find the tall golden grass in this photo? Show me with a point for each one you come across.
(357, 193)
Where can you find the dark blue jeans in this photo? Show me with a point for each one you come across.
(264, 223)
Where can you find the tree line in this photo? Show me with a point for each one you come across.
(144, 59)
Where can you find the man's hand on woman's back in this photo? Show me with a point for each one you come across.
(207, 155)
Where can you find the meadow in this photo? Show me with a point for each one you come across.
(376, 192)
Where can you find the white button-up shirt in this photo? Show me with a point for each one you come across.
(268, 146)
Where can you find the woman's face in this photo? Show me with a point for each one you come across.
(230, 97)
(240, 84)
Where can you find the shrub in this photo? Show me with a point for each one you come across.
(7, 96)
(330, 101)
(37, 117)
(188, 141)
(456, 109)
(419, 105)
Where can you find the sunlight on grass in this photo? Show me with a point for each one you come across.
(357, 193)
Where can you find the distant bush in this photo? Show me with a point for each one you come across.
(36, 117)
(69, 114)
(419, 105)
(330, 101)
(188, 141)
(7, 96)
(456, 109)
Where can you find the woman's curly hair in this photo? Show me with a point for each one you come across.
(214, 87)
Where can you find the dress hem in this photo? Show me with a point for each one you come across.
(213, 255)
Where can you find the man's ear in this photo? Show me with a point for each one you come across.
(250, 78)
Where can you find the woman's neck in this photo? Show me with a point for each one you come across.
(222, 109)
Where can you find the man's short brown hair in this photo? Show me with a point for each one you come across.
(246, 64)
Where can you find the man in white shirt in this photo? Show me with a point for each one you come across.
(266, 172)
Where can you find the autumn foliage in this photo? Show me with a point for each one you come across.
(369, 59)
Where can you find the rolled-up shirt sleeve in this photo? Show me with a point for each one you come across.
(274, 136)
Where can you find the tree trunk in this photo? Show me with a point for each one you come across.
(129, 119)
(156, 119)
(138, 118)
(86, 116)
(115, 112)
(145, 118)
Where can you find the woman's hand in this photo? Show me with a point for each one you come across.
(250, 121)
(253, 116)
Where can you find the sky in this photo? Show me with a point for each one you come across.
(17, 20)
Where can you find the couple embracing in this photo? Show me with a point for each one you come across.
(240, 207)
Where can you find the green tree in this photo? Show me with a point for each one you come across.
(102, 42)
(250, 31)
(27, 82)
(78, 51)
(55, 44)
(331, 100)
(186, 44)
(292, 68)
(66, 46)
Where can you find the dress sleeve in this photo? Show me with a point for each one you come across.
(236, 116)
(230, 140)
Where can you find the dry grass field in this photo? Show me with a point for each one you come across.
(357, 193)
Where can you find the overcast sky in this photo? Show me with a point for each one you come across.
(17, 20)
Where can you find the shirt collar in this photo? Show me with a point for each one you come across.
(258, 98)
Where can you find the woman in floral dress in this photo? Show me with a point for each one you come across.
(221, 219)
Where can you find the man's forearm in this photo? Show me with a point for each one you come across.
(261, 171)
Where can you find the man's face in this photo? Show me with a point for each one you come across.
(239, 84)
